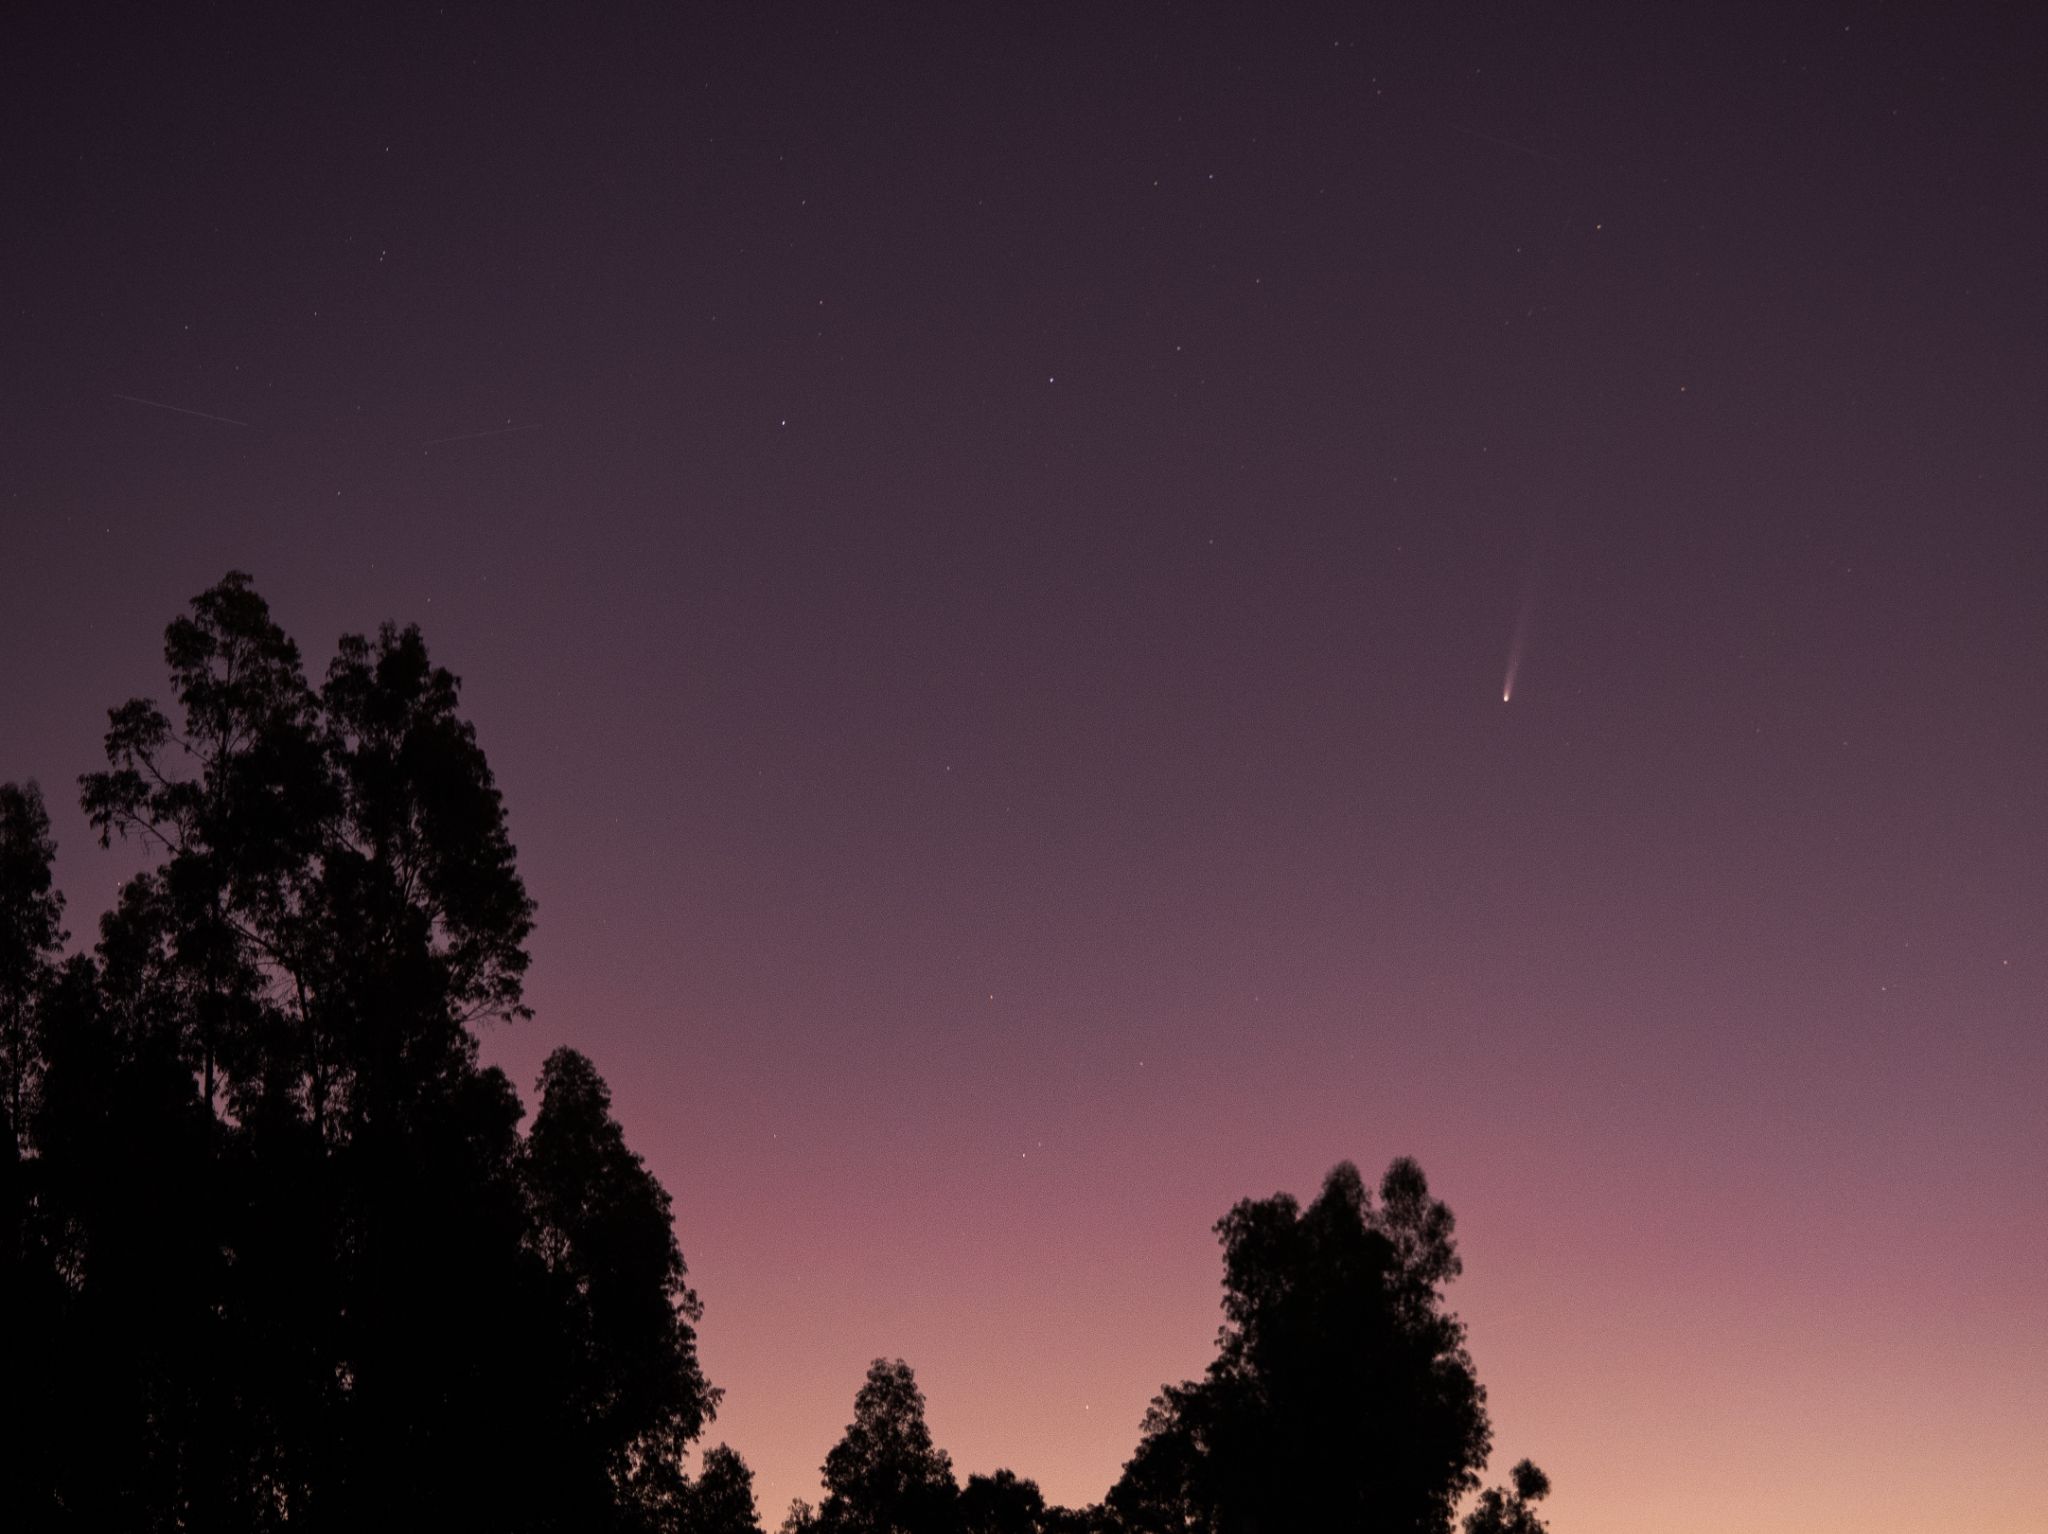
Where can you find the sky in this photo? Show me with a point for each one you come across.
(986, 546)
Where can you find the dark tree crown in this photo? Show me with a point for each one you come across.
(281, 1252)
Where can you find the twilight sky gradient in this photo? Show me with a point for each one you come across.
(993, 630)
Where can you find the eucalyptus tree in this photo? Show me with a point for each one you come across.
(1511, 1509)
(1342, 1395)
(308, 1269)
(721, 1501)
(31, 933)
(885, 1476)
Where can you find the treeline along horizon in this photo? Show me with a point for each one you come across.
(276, 1253)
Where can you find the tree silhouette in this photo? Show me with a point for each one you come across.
(1001, 1504)
(128, 1278)
(603, 1228)
(1005, 1503)
(336, 895)
(31, 932)
(722, 1501)
(885, 1476)
(1510, 1509)
(238, 798)
(1076, 1520)
(31, 913)
(286, 1254)
(1341, 1396)
(275, 1253)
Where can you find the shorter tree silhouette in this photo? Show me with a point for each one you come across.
(722, 1499)
(1511, 1509)
(885, 1476)
(1341, 1397)
(1002, 1503)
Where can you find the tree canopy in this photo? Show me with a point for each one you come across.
(722, 1502)
(1511, 1509)
(31, 932)
(885, 1476)
(1341, 1396)
(1002, 1503)
(279, 1253)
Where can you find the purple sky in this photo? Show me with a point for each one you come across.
(992, 625)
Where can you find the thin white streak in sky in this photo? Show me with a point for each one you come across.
(157, 404)
(1520, 637)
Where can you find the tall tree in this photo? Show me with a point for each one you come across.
(603, 1228)
(236, 797)
(418, 876)
(336, 887)
(31, 914)
(306, 1267)
(131, 1212)
(1341, 1396)
(31, 931)
(885, 1476)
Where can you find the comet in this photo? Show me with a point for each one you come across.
(1520, 636)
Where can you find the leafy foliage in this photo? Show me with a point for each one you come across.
(885, 1476)
(1001, 1504)
(1341, 1396)
(31, 931)
(1511, 1509)
(286, 1255)
(722, 1501)
(602, 1227)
